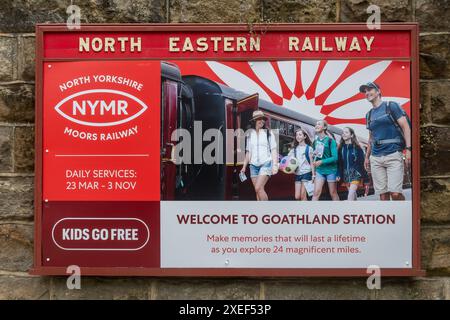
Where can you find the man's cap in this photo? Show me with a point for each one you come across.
(369, 85)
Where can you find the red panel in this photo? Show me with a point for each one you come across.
(101, 234)
(101, 131)
(272, 45)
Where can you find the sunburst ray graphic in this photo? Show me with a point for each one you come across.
(322, 89)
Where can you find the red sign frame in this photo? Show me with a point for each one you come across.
(57, 50)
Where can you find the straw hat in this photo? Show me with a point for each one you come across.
(258, 114)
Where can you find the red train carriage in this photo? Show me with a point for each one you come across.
(177, 112)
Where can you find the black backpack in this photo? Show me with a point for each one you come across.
(391, 117)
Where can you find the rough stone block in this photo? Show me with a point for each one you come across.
(27, 54)
(215, 11)
(425, 103)
(16, 246)
(24, 149)
(434, 56)
(121, 11)
(16, 198)
(24, 288)
(437, 99)
(22, 15)
(436, 250)
(299, 11)
(8, 57)
(435, 200)
(390, 10)
(317, 289)
(204, 289)
(435, 151)
(6, 143)
(101, 289)
(411, 289)
(17, 103)
(432, 15)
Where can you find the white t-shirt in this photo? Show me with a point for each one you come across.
(258, 146)
(303, 164)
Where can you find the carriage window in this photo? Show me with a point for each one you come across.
(274, 124)
(282, 128)
(311, 132)
(291, 130)
(285, 133)
(285, 145)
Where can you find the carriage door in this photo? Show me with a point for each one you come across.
(185, 120)
(168, 125)
(242, 115)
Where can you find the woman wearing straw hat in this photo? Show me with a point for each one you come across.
(261, 153)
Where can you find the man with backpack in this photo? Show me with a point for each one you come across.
(389, 134)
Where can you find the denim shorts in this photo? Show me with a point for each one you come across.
(265, 169)
(331, 177)
(303, 177)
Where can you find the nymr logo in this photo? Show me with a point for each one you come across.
(100, 107)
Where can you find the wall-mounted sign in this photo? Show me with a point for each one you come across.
(193, 150)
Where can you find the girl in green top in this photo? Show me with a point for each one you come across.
(325, 161)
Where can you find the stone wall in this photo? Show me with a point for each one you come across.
(17, 19)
